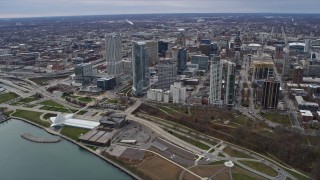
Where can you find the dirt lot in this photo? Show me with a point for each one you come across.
(157, 168)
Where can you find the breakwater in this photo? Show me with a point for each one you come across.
(29, 137)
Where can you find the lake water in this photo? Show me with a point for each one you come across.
(22, 159)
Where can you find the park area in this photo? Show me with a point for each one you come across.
(4, 97)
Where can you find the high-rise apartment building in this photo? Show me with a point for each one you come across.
(153, 56)
(270, 95)
(140, 70)
(215, 81)
(229, 83)
(113, 54)
(166, 75)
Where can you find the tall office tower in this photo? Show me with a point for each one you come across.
(162, 48)
(140, 70)
(181, 39)
(205, 49)
(215, 81)
(307, 45)
(174, 54)
(201, 60)
(152, 52)
(237, 42)
(113, 54)
(83, 73)
(262, 69)
(286, 65)
(214, 49)
(166, 75)
(229, 86)
(270, 94)
(182, 60)
(279, 52)
(237, 57)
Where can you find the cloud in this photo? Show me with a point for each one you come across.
(25, 8)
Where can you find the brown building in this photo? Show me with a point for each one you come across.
(297, 75)
(271, 89)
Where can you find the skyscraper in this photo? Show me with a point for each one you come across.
(215, 81)
(140, 70)
(153, 56)
(201, 60)
(182, 60)
(113, 54)
(166, 75)
(229, 85)
(237, 42)
(270, 94)
(279, 52)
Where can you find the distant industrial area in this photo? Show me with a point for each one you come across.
(172, 96)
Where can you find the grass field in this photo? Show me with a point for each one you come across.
(48, 115)
(51, 103)
(73, 132)
(239, 176)
(112, 101)
(7, 97)
(261, 168)
(234, 153)
(82, 112)
(58, 109)
(278, 118)
(85, 99)
(31, 116)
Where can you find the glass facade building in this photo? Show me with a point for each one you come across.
(140, 70)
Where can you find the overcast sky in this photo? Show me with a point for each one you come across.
(35, 8)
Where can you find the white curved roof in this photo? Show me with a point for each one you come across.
(254, 45)
(70, 121)
(297, 44)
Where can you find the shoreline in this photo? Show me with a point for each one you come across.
(111, 162)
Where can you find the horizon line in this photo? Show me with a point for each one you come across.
(287, 13)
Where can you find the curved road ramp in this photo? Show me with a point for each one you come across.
(31, 138)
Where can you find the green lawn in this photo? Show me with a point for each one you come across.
(73, 132)
(112, 101)
(278, 118)
(242, 120)
(28, 99)
(234, 153)
(298, 176)
(51, 103)
(85, 99)
(261, 168)
(31, 116)
(58, 109)
(238, 176)
(7, 97)
(48, 115)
